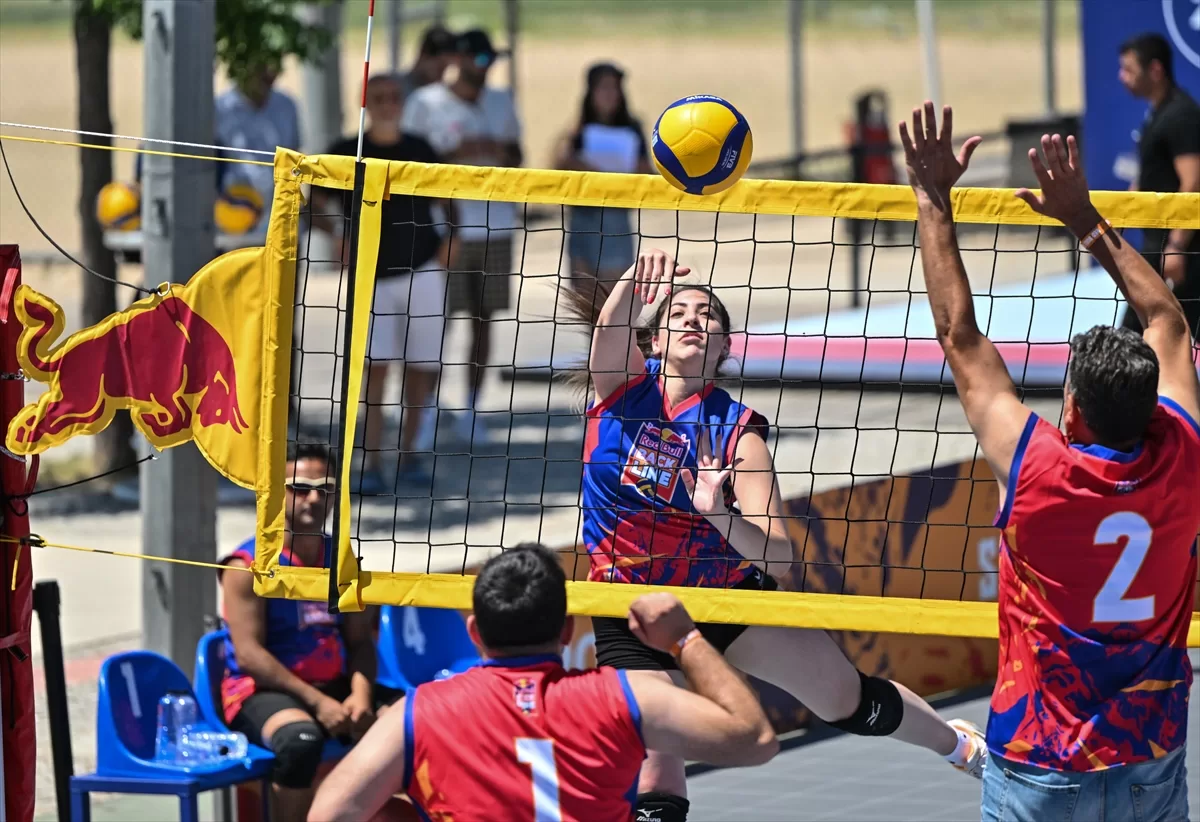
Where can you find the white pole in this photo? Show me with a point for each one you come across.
(796, 52)
(1049, 80)
(933, 75)
(395, 25)
(362, 111)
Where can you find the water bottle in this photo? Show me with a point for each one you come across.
(203, 745)
(176, 712)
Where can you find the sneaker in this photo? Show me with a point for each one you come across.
(427, 433)
(470, 428)
(976, 758)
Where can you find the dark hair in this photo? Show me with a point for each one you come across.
(1113, 376)
(588, 113)
(1148, 48)
(297, 451)
(520, 598)
(437, 40)
(584, 306)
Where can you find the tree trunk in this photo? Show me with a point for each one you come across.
(93, 36)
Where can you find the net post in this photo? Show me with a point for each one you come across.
(344, 460)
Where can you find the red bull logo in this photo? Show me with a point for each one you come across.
(160, 360)
(652, 465)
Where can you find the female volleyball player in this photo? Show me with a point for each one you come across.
(679, 489)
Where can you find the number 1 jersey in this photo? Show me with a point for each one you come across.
(1097, 577)
(523, 739)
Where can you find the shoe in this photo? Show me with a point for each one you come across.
(370, 484)
(414, 478)
(470, 428)
(427, 433)
(977, 757)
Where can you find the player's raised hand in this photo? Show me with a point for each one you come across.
(660, 621)
(1064, 195)
(653, 272)
(933, 167)
(706, 485)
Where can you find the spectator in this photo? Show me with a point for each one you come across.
(437, 51)
(466, 122)
(296, 674)
(1169, 161)
(601, 241)
(254, 116)
(410, 285)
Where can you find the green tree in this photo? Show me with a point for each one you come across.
(250, 34)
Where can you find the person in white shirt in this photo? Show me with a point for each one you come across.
(468, 123)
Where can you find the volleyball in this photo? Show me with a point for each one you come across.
(238, 209)
(119, 207)
(701, 144)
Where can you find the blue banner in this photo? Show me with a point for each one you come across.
(1112, 116)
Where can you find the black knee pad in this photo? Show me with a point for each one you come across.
(879, 712)
(660, 807)
(297, 748)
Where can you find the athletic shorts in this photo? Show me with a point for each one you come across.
(260, 706)
(479, 284)
(617, 647)
(408, 318)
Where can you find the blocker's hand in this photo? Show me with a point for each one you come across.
(933, 167)
(706, 486)
(1064, 194)
(660, 621)
(653, 272)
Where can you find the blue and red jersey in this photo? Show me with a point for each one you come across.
(303, 636)
(520, 739)
(1097, 569)
(638, 521)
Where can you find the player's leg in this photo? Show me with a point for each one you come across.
(384, 347)
(424, 331)
(810, 666)
(464, 294)
(280, 723)
(662, 784)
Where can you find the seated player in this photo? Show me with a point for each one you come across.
(1099, 519)
(679, 488)
(296, 674)
(520, 738)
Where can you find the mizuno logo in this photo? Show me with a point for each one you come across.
(875, 709)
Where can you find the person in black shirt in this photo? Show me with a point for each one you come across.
(408, 316)
(1169, 154)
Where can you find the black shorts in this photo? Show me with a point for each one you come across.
(262, 705)
(617, 647)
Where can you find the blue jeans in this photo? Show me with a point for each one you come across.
(1153, 791)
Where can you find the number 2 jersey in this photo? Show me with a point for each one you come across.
(1097, 572)
(522, 739)
(638, 521)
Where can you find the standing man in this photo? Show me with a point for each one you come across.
(468, 123)
(408, 316)
(296, 674)
(1169, 155)
(438, 46)
(1098, 520)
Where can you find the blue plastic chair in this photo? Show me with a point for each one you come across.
(418, 645)
(210, 670)
(126, 726)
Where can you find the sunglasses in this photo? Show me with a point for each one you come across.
(305, 487)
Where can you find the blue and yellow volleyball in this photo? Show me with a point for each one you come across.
(701, 144)
(238, 209)
(119, 207)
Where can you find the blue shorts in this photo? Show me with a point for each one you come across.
(1153, 791)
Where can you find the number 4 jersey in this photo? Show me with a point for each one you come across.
(1097, 572)
(524, 740)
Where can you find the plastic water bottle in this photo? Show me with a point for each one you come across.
(200, 745)
(176, 712)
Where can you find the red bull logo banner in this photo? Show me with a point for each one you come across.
(652, 465)
(186, 363)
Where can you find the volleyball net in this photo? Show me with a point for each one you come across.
(887, 501)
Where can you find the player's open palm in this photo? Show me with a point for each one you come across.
(653, 273)
(933, 166)
(706, 485)
(1064, 194)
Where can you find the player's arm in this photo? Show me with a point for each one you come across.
(985, 389)
(759, 531)
(1065, 197)
(367, 777)
(615, 358)
(360, 665)
(720, 720)
(245, 614)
